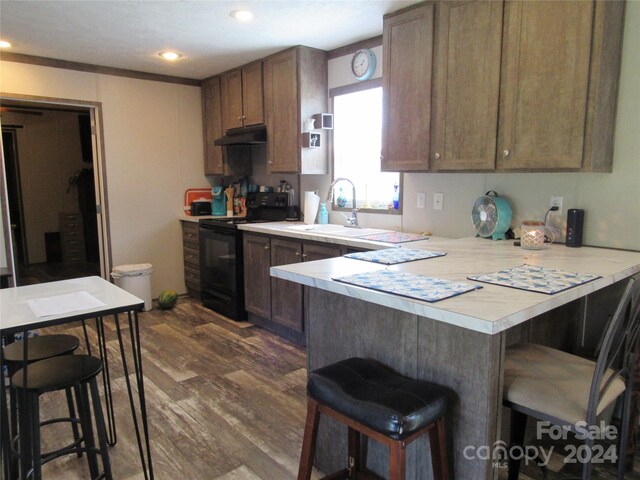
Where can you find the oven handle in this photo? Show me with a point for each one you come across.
(219, 229)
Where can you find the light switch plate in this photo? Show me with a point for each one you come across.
(421, 200)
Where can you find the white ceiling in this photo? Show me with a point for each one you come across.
(129, 34)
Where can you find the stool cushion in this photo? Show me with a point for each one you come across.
(374, 395)
(39, 348)
(58, 373)
(554, 383)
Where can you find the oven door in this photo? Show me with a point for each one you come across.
(221, 270)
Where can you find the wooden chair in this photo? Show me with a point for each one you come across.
(373, 400)
(564, 389)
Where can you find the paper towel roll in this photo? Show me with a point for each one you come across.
(311, 202)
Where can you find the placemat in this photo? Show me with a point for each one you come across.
(391, 256)
(408, 285)
(535, 279)
(394, 237)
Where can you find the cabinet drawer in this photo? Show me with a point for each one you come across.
(192, 275)
(191, 257)
(190, 234)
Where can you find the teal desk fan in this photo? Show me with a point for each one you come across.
(491, 216)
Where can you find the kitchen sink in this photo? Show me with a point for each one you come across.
(333, 230)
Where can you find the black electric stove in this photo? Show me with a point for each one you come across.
(221, 258)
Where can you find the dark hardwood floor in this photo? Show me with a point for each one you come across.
(226, 401)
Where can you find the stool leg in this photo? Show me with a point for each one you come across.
(354, 453)
(100, 427)
(397, 460)
(438, 444)
(309, 440)
(34, 405)
(72, 415)
(87, 429)
(516, 438)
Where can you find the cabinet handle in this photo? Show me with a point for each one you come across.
(270, 162)
(437, 156)
(506, 153)
(297, 254)
(240, 118)
(304, 255)
(190, 235)
(266, 247)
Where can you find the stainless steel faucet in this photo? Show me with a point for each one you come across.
(353, 220)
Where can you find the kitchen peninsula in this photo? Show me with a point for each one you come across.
(458, 342)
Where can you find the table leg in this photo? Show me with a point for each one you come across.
(145, 452)
(112, 437)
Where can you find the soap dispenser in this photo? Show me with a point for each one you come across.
(323, 216)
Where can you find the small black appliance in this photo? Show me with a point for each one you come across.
(575, 224)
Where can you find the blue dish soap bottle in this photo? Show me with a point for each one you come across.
(396, 197)
(323, 216)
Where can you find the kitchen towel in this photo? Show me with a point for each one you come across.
(311, 202)
(408, 285)
(535, 279)
(391, 256)
(394, 237)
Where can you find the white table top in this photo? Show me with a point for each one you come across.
(490, 309)
(15, 314)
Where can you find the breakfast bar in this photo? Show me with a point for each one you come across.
(458, 342)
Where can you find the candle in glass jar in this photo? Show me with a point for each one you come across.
(532, 237)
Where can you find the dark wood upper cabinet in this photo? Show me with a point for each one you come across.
(242, 97)
(213, 160)
(517, 85)
(466, 85)
(407, 77)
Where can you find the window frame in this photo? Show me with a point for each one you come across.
(344, 90)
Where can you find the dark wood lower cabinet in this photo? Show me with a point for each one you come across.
(275, 303)
(191, 256)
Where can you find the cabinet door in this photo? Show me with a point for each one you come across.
(407, 68)
(257, 281)
(466, 85)
(314, 251)
(546, 53)
(213, 160)
(231, 95)
(281, 111)
(286, 297)
(252, 97)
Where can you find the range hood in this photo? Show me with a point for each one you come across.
(254, 135)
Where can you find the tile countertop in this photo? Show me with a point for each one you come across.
(490, 309)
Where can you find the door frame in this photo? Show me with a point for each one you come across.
(99, 172)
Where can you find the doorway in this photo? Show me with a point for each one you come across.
(53, 177)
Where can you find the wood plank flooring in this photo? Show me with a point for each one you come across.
(225, 402)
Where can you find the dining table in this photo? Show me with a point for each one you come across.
(25, 309)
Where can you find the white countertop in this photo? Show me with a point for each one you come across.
(490, 309)
(337, 234)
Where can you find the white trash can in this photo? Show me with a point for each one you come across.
(135, 279)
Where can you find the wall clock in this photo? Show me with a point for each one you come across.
(363, 64)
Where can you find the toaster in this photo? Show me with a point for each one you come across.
(200, 208)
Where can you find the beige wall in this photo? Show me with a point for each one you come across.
(153, 153)
(611, 200)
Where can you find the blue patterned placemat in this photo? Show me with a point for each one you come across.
(408, 284)
(535, 279)
(394, 237)
(391, 256)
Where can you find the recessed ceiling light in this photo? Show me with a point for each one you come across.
(4, 44)
(242, 15)
(170, 55)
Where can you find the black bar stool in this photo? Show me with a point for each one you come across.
(42, 348)
(69, 371)
(374, 401)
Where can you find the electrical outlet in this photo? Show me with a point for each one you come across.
(421, 200)
(556, 202)
(438, 201)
